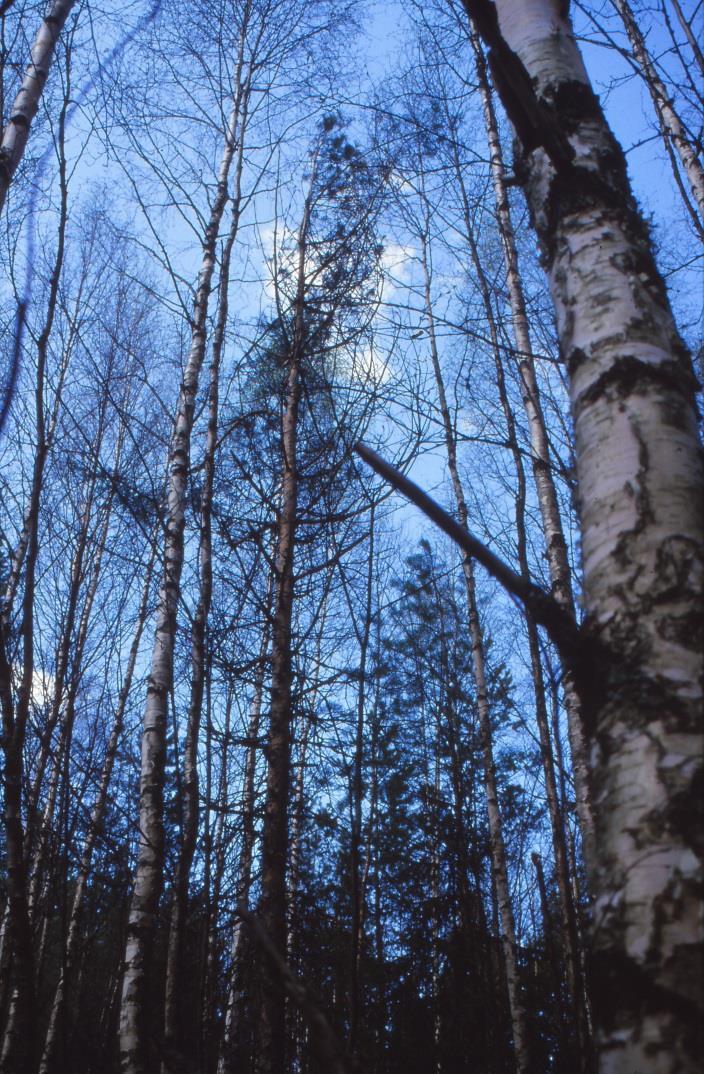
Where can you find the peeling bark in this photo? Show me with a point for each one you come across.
(640, 499)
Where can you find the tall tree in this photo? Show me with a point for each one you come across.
(639, 467)
(320, 298)
(150, 863)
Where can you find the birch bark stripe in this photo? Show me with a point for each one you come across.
(671, 123)
(150, 862)
(26, 103)
(641, 491)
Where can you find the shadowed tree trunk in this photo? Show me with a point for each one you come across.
(271, 1059)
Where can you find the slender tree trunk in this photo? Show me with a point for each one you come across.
(357, 797)
(640, 490)
(555, 543)
(498, 850)
(381, 1016)
(26, 103)
(298, 801)
(64, 701)
(271, 1058)
(244, 873)
(173, 1035)
(20, 550)
(433, 820)
(568, 920)
(552, 950)
(668, 118)
(148, 883)
(15, 1049)
(58, 1014)
(472, 917)
(15, 1052)
(687, 28)
(275, 836)
(210, 1041)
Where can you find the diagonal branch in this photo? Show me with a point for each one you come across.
(559, 624)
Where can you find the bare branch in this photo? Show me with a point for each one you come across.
(558, 623)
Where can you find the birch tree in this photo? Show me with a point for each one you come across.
(669, 120)
(640, 484)
(26, 103)
(150, 863)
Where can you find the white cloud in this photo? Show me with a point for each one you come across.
(397, 268)
(43, 686)
(369, 365)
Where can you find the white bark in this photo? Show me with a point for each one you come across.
(26, 103)
(668, 118)
(149, 872)
(555, 543)
(640, 496)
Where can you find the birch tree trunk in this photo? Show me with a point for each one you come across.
(58, 1008)
(668, 118)
(148, 882)
(26, 103)
(498, 849)
(640, 499)
(174, 961)
(555, 543)
(687, 28)
(15, 712)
